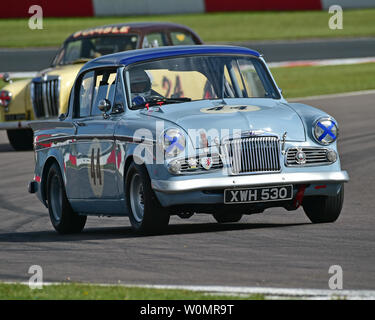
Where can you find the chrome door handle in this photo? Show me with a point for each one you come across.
(80, 123)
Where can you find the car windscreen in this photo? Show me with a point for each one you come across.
(190, 78)
(92, 47)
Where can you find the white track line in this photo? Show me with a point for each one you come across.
(335, 95)
(275, 292)
(268, 292)
(323, 62)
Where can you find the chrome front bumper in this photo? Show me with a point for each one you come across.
(14, 125)
(176, 186)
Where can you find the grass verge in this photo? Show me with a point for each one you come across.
(76, 291)
(212, 27)
(319, 80)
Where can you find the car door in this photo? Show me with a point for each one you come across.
(95, 145)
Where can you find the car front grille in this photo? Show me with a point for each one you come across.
(314, 156)
(15, 117)
(45, 96)
(253, 155)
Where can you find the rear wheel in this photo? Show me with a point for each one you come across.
(21, 139)
(324, 209)
(146, 214)
(62, 216)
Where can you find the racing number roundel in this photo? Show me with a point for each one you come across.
(230, 109)
(95, 172)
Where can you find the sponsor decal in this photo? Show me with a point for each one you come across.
(102, 30)
(95, 172)
(180, 37)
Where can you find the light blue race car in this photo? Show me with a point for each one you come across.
(181, 130)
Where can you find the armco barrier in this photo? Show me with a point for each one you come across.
(86, 8)
(243, 5)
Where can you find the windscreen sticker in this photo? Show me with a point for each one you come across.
(101, 30)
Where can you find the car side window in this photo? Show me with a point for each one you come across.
(105, 85)
(119, 99)
(181, 38)
(153, 40)
(85, 95)
(73, 51)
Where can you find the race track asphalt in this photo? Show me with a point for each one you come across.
(273, 249)
(35, 59)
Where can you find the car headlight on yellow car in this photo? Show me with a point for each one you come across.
(325, 131)
(174, 142)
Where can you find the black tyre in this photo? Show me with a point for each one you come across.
(324, 209)
(62, 216)
(227, 217)
(21, 139)
(146, 214)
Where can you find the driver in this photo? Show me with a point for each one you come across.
(140, 86)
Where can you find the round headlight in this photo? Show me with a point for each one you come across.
(173, 142)
(325, 131)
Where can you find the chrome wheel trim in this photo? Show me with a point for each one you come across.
(137, 197)
(56, 198)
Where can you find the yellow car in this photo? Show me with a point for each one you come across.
(46, 96)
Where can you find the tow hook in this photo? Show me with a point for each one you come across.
(299, 196)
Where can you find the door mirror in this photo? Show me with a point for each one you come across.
(6, 78)
(104, 105)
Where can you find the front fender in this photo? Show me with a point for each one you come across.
(309, 115)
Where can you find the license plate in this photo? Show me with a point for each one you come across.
(261, 194)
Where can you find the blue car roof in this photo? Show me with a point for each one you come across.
(132, 56)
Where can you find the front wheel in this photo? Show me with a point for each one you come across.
(146, 214)
(21, 139)
(324, 209)
(62, 216)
